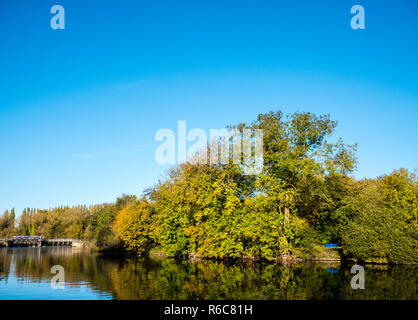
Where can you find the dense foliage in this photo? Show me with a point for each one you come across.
(304, 197)
(217, 211)
(135, 227)
(380, 219)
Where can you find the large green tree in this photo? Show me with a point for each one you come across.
(299, 166)
(216, 210)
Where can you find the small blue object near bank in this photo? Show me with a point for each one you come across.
(332, 270)
(331, 245)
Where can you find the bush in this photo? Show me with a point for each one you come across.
(382, 220)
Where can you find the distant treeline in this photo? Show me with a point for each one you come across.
(305, 197)
(92, 223)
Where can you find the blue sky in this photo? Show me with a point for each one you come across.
(79, 107)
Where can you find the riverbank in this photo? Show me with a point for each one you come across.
(332, 256)
(327, 255)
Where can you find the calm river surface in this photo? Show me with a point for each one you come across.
(25, 273)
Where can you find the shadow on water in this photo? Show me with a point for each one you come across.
(156, 278)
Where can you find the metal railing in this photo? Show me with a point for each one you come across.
(29, 238)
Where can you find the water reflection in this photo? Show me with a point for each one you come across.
(25, 274)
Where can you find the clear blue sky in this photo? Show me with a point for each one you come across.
(79, 107)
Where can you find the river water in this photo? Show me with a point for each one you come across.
(25, 273)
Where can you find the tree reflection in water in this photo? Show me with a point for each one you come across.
(157, 278)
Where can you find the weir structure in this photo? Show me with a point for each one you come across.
(36, 241)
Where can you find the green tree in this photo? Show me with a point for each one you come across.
(379, 219)
(299, 164)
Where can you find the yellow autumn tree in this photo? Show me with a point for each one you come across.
(134, 226)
